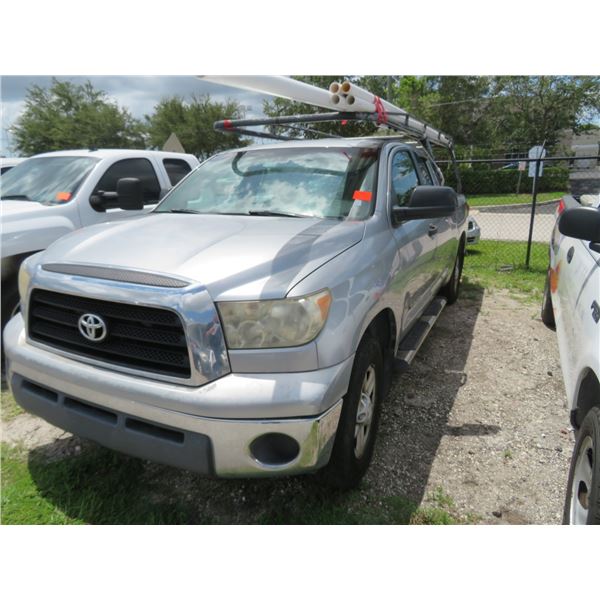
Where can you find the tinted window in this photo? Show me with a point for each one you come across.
(336, 182)
(176, 169)
(141, 168)
(435, 173)
(48, 179)
(424, 174)
(404, 177)
(4, 170)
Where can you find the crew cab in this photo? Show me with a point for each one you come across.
(572, 305)
(51, 194)
(249, 325)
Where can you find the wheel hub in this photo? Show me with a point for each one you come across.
(582, 483)
(364, 413)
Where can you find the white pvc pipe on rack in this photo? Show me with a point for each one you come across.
(361, 100)
(276, 85)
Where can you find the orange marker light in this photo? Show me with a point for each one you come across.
(324, 302)
(63, 196)
(364, 196)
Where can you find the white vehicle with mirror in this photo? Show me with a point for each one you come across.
(51, 194)
(572, 305)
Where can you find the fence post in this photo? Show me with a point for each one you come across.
(533, 203)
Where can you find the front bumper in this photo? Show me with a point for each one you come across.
(209, 429)
(473, 235)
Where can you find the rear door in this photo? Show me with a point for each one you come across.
(445, 235)
(414, 281)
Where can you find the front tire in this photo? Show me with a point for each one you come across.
(357, 428)
(582, 504)
(547, 308)
(452, 289)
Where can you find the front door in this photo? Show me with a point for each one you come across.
(414, 280)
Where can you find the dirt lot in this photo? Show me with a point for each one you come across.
(476, 429)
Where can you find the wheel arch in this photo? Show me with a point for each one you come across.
(588, 396)
(383, 328)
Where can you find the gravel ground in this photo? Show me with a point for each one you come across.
(477, 424)
(481, 414)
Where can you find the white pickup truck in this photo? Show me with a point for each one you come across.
(571, 304)
(52, 194)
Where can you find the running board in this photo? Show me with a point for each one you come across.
(410, 344)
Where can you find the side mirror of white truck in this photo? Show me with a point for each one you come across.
(583, 224)
(130, 195)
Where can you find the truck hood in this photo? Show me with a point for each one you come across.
(11, 210)
(235, 257)
(27, 227)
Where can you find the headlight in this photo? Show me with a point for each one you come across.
(274, 323)
(24, 277)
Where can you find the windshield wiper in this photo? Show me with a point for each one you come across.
(185, 211)
(274, 213)
(16, 197)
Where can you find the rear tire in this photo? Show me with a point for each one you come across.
(582, 503)
(451, 290)
(547, 308)
(357, 428)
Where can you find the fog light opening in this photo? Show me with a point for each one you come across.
(274, 449)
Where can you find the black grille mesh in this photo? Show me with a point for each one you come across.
(114, 274)
(149, 339)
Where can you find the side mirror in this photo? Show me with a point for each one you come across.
(582, 223)
(427, 202)
(130, 195)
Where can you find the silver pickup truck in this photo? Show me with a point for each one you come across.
(249, 324)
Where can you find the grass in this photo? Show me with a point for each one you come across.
(501, 265)
(501, 199)
(9, 409)
(102, 487)
(96, 487)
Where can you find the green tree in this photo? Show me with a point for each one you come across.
(192, 122)
(67, 115)
(529, 110)
(483, 115)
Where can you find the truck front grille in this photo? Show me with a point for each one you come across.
(137, 337)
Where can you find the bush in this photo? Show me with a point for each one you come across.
(485, 180)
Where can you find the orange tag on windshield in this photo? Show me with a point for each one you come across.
(364, 196)
(63, 196)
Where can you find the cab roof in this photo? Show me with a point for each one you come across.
(114, 152)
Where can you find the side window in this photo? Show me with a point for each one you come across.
(424, 174)
(435, 173)
(131, 167)
(176, 169)
(404, 177)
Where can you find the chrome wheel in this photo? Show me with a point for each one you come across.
(364, 413)
(581, 486)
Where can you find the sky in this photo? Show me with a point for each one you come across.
(139, 94)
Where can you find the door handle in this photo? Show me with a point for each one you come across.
(432, 230)
(570, 254)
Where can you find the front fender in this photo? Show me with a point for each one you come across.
(358, 279)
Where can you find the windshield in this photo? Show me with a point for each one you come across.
(299, 182)
(48, 180)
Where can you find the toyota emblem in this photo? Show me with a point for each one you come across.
(92, 327)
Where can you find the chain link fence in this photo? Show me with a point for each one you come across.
(512, 213)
